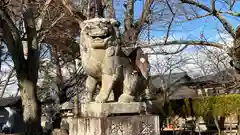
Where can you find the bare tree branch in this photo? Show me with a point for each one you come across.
(186, 42)
(232, 13)
(170, 24)
(30, 27)
(44, 33)
(78, 15)
(197, 17)
(6, 83)
(192, 2)
(145, 13)
(15, 33)
(213, 6)
(42, 15)
(109, 6)
(13, 41)
(128, 21)
(168, 53)
(232, 4)
(217, 14)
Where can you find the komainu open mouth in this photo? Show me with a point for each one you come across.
(101, 36)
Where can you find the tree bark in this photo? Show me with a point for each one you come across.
(31, 106)
(28, 82)
(221, 125)
(26, 69)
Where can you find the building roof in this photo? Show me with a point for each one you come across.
(179, 78)
(183, 92)
(185, 87)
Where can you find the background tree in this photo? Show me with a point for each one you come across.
(223, 13)
(24, 43)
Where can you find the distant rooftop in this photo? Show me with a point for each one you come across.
(181, 77)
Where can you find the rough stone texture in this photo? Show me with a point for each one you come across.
(135, 118)
(59, 132)
(106, 109)
(117, 125)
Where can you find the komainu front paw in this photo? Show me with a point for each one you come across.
(125, 98)
(101, 98)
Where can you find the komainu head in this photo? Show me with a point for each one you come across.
(99, 33)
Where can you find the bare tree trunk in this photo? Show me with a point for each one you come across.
(59, 76)
(221, 124)
(27, 70)
(28, 88)
(28, 82)
(217, 125)
(32, 112)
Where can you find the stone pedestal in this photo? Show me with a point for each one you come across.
(115, 119)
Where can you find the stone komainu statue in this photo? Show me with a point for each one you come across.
(105, 62)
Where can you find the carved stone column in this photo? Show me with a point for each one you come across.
(135, 118)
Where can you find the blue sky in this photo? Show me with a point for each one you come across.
(192, 29)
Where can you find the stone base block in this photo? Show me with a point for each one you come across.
(116, 108)
(116, 125)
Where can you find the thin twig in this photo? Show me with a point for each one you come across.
(44, 33)
(6, 83)
(186, 42)
(227, 25)
(197, 17)
(42, 15)
(170, 24)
